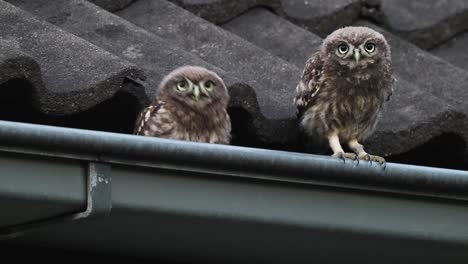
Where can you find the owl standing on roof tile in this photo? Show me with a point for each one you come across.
(343, 89)
(191, 105)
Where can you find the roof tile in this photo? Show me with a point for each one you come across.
(454, 51)
(15, 64)
(112, 5)
(318, 16)
(425, 23)
(67, 85)
(217, 11)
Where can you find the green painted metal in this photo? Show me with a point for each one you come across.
(35, 187)
(205, 203)
(98, 197)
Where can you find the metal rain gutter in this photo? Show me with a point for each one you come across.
(167, 179)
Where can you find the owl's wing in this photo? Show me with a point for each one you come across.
(151, 121)
(309, 85)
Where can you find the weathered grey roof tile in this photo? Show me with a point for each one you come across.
(217, 11)
(454, 51)
(413, 117)
(318, 16)
(112, 5)
(321, 17)
(70, 82)
(425, 23)
(276, 35)
(15, 64)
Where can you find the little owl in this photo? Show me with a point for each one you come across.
(343, 88)
(190, 105)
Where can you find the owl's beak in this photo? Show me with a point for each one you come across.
(196, 92)
(204, 91)
(357, 55)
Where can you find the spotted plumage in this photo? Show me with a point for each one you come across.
(190, 105)
(343, 89)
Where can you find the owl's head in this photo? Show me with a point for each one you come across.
(356, 47)
(194, 86)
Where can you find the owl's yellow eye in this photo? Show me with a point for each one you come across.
(209, 85)
(343, 49)
(182, 85)
(370, 47)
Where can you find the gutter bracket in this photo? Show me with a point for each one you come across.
(98, 197)
(99, 191)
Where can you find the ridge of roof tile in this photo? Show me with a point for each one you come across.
(318, 16)
(217, 11)
(453, 51)
(112, 5)
(65, 62)
(424, 23)
(15, 64)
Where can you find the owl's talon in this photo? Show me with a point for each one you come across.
(356, 158)
(340, 155)
(364, 156)
(372, 158)
(344, 156)
(382, 163)
(378, 159)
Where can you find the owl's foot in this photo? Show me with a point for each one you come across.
(371, 158)
(345, 155)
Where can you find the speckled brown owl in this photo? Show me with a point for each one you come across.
(190, 105)
(343, 88)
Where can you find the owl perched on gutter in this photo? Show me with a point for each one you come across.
(343, 89)
(190, 105)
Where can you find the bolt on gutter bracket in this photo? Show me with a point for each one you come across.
(99, 203)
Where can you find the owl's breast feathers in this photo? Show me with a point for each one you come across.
(175, 121)
(320, 81)
(330, 99)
